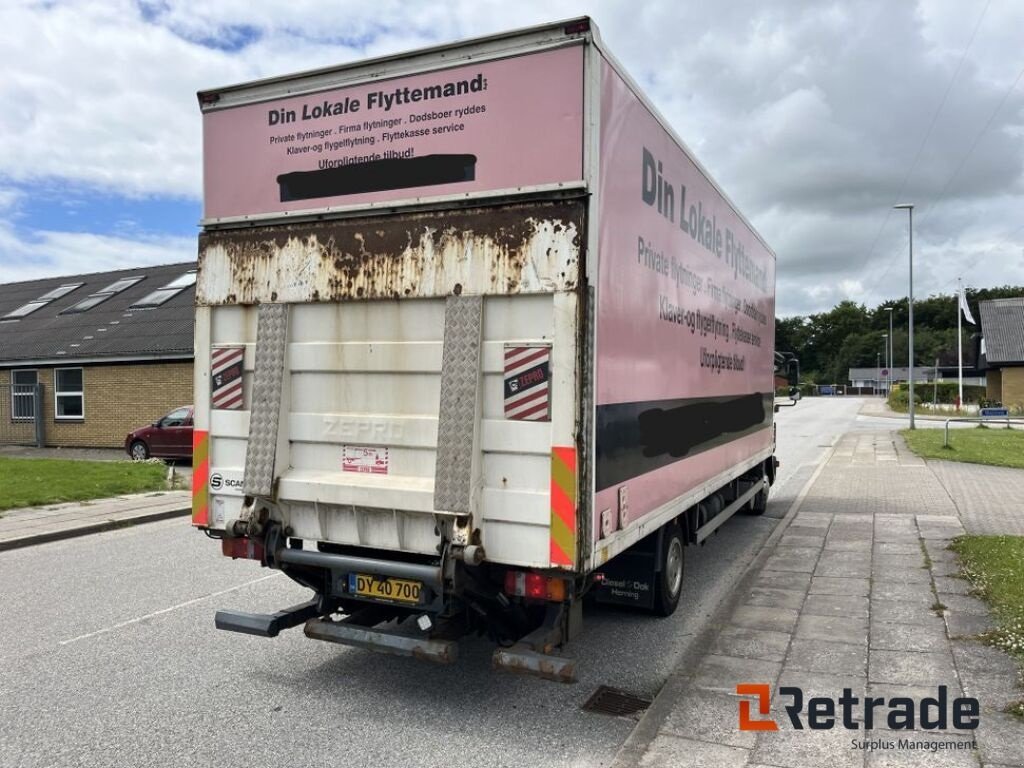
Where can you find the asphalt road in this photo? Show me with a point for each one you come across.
(109, 657)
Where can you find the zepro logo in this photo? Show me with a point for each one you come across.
(822, 712)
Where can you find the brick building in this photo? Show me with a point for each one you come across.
(1002, 329)
(85, 359)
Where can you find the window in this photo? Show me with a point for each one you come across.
(42, 301)
(68, 393)
(100, 296)
(169, 291)
(60, 292)
(23, 395)
(176, 418)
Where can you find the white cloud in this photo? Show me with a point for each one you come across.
(810, 114)
(48, 253)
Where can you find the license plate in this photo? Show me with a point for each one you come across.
(384, 588)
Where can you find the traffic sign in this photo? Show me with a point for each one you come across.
(995, 412)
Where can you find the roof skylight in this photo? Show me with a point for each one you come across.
(27, 309)
(169, 291)
(100, 296)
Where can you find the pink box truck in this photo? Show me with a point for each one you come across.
(476, 337)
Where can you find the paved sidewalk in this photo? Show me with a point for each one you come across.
(859, 592)
(35, 525)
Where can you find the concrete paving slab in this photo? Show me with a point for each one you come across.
(768, 597)
(1001, 737)
(723, 673)
(965, 604)
(802, 540)
(807, 749)
(708, 716)
(900, 562)
(897, 548)
(948, 585)
(903, 612)
(758, 617)
(902, 668)
(751, 643)
(926, 751)
(853, 606)
(995, 691)
(843, 544)
(843, 569)
(837, 585)
(780, 562)
(838, 629)
(911, 592)
(962, 625)
(782, 580)
(888, 636)
(671, 751)
(918, 575)
(980, 659)
(946, 569)
(827, 657)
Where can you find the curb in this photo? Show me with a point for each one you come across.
(45, 537)
(636, 744)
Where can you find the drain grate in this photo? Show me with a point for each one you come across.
(612, 701)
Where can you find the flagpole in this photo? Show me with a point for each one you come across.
(959, 344)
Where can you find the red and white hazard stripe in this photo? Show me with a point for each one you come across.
(531, 405)
(521, 359)
(229, 395)
(225, 357)
(533, 402)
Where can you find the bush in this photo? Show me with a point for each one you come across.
(899, 397)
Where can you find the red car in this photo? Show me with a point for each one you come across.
(168, 438)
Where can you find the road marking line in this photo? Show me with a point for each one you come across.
(187, 603)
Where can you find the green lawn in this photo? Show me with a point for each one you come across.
(995, 445)
(32, 482)
(995, 566)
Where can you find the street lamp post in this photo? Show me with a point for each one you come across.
(878, 372)
(889, 359)
(888, 370)
(909, 208)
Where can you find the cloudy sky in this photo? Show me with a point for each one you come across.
(814, 116)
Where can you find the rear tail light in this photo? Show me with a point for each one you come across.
(249, 549)
(534, 586)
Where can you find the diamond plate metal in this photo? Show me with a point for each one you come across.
(457, 415)
(265, 409)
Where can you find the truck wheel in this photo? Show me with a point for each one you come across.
(759, 503)
(670, 578)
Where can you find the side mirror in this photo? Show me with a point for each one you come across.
(794, 394)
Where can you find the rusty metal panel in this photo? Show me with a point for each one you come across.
(524, 248)
(457, 432)
(265, 411)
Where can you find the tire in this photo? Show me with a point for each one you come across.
(670, 577)
(139, 451)
(759, 503)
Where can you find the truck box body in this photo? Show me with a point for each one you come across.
(482, 284)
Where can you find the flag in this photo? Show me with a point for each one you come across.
(966, 309)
